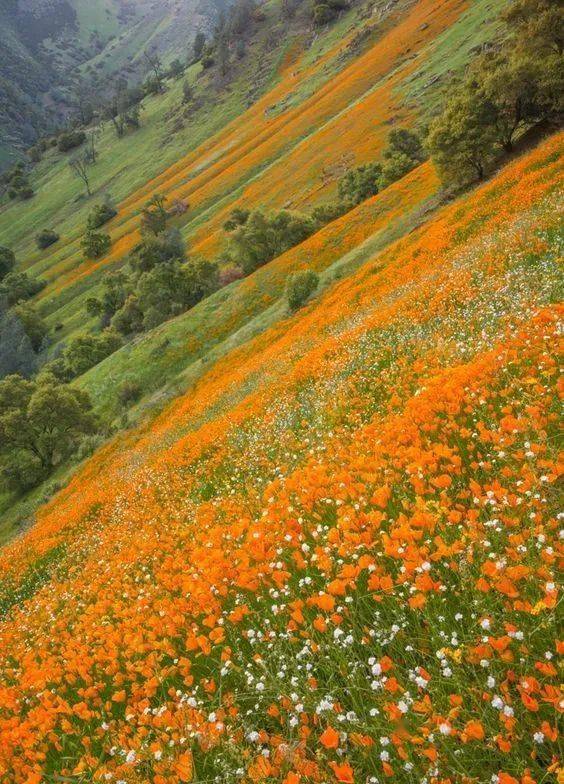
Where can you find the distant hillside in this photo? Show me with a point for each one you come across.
(46, 44)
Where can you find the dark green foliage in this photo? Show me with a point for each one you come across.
(361, 183)
(326, 11)
(41, 424)
(154, 215)
(85, 351)
(17, 183)
(128, 320)
(157, 286)
(169, 289)
(462, 139)
(326, 213)
(129, 392)
(503, 94)
(18, 287)
(155, 250)
(176, 69)
(34, 326)
(263, 237)
(116, 289)
(46, 238)
(198, 47)
(70, 140)
(16, 352)
(300, 286)
(99, 215)
(95, 245)
(403, 153)
(7, 261)
(238, 217)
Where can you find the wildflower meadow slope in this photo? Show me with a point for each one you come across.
(334, 559)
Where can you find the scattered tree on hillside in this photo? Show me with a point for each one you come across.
(153, 60)
(197, 48)
(154, 215)
(99, 215)
(85, 351)
(18, 287)
(41, 425)
(462, 139)
(7, 261)
(45, 238)
(70, 140)
(16, 352)
(326, 11)
(263, 237)
(300, 286)
(79, 167)
(95, 244)
(35, 327)
(503, 94)
(361, 183)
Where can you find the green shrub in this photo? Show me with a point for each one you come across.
(46, 238)
(70, 140)
(41, 424)
(35, 327)
(300, 286)
(100, 215)
(263, 237)
(360, 183)
(7, 261)
(129, 392)
(95, 244)
(18, 287)
(85, 351)
(326, 213)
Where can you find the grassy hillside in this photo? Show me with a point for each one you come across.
(314, 93)
(343, 526)
(320, 546)
(47, 44)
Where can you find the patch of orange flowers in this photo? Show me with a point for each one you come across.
(335, 558)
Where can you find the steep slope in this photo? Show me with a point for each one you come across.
(333, 557)
(325, 98)
(46, 44)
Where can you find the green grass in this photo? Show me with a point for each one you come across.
(449, 53)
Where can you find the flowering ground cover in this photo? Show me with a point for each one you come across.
(335, 558)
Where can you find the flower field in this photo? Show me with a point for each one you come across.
(334, 558)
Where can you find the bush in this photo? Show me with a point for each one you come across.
(22, 471)
(70, 140)
(100, 215)
(300, 286)
(329, 212)
(95, 245)
(85, 351)
(18, 287)
(46, 238)
(325, 11)
(263, 237)
(41, 424)
(7, 261)
(129, 392)
(361, 183)
(35, 327)
(156, 250)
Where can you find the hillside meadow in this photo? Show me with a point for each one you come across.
(334, 557)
